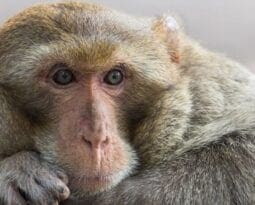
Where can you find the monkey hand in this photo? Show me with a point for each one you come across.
(26, 179)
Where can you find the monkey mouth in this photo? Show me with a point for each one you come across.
(99, 178)
(96, 178)
(90, 185)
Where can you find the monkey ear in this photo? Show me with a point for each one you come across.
(168, 30)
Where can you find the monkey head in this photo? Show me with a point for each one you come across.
(84, 77)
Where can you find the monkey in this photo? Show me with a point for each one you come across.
(100, 107)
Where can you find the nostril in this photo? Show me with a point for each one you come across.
(89, 143)
(105, 142)
(96, 142)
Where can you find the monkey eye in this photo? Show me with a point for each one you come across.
(114, 77)
(63, 76)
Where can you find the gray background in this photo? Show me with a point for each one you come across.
(226, 26)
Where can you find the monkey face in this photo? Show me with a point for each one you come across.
(84, 78)
(89, 143)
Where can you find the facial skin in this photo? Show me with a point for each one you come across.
(88, 128)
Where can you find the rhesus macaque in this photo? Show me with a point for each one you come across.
(102, 108)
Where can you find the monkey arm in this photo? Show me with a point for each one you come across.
(220, 173)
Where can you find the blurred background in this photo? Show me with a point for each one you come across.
(225, 26)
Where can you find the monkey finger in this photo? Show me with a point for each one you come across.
(53, 203)
(62, 176)
(34, 194)
(12, 197)
(54, 187)
(41, 198)
(57, 172)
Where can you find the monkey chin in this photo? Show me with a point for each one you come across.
(88, 180)
(89, 186)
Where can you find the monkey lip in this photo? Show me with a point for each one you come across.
(93, 184)
(97, 182)
(99, 178)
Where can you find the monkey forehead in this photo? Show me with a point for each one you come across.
(50, 22)
(73, 31)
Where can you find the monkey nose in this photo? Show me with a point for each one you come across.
(99, 142)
